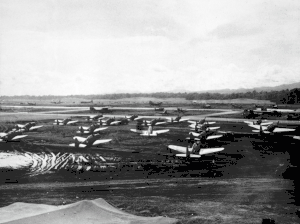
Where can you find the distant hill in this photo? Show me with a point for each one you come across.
(258, 89)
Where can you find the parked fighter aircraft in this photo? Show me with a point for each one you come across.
(91, 101)
(11, 136)
(100, 110)
(201, 122)
(258, 122)
(207, 134)
(193, 152)
(202, 125)
(91, 140)
(122, 121)
(154, 104)
(27, 127)
(67, 121)
(273, 128)
(94, 128)
(132, 117)
(94, 117)
(156, 121)
(149, 132)
(176, 119)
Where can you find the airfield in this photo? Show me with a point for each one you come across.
(250, 180)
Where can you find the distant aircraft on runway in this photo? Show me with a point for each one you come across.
(100, 110)
(155, 104)
(32, 104)
(207, 106)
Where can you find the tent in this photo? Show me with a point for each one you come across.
(82, 212)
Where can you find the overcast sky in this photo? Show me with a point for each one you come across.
(103, 46)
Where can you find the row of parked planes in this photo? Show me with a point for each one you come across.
(201, 131)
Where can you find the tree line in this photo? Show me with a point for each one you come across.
(284, 96)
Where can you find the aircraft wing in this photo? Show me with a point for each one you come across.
(2, 134)
(213, 128)
(115, 122)
(182, 120)
(277, 130)
(195, 134)
(72, 122)
(80, 145)
(266, 123)
(18, 137)
(297, 137)
(99, 129)
(190, 155)
(35, 127)
(101, 141)
(160, 123)
(84, 132)
(84, 128)
(20, 125)
(213, 137)
(58, 120)
(138, 131)
(205, 151)
(180, 149)
(80, 139)
(258, 127)
(160, 131)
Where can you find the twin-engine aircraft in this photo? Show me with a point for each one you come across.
(11, 136)
(67, 121)
(149, 132)
(93, 129)
(273, 128)
(27, 127)
(91, 140)
(192, 152)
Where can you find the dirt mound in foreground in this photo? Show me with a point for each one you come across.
(87, 211)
